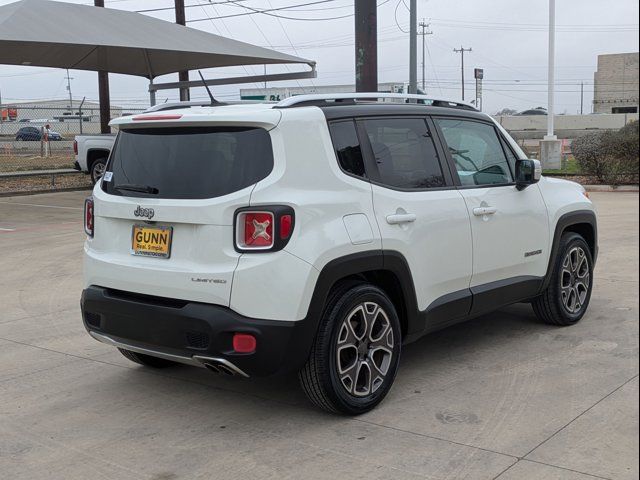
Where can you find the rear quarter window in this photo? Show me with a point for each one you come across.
(188, 162)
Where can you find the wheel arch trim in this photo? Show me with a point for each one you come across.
(362, 263)
(566, 222)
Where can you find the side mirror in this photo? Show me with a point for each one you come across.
(528, 172)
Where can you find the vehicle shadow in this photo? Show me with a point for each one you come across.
(480, 346)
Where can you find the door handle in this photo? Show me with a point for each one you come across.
(399, 218)
(480, 211)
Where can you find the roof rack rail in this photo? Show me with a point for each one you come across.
(320, 99)
(196, 103)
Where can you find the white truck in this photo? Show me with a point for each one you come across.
(92, 152)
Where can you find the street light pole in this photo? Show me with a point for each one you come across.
(551, 72)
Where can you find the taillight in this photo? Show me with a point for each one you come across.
(265, 228)
(257, 230)
(75, 147)
(88, 216)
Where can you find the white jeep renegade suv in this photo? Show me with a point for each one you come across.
(320, 234)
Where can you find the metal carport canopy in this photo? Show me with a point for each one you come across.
(63, 35)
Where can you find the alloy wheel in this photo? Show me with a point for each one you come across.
(575, 280)
(364, 349)
(98, 170)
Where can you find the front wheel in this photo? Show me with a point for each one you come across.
(97, 169)
(355, 356)
(566, 298)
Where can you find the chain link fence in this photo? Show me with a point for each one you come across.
(24, 152)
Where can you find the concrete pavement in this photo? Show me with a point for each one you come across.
(502, 396)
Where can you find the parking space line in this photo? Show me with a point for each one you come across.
(7, 229)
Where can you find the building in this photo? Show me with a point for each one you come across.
(616, 84)
(275, 94)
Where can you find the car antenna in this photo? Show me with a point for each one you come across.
(213, 100)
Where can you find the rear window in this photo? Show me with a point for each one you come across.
(187, 162)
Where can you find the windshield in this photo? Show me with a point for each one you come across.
(187, 162)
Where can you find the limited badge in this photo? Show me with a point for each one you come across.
(107, 176)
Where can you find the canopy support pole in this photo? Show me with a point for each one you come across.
(152, 91)
(103, 91)
(152, 94)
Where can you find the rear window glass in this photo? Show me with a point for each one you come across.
(345, 141)
(188, 162)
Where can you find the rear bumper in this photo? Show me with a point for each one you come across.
(76, 166)
(192, 332)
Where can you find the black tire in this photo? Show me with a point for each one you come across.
(97, 169)
(555, 307)
(353, 393)
(146, 360)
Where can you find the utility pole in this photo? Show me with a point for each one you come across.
(69, 90)
(103, 92)
(413, 46)
(182, 76)
(424, 25)
(581, 98)
(366, 30)
(461, 51)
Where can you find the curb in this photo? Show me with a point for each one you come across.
(611, 188)
(37, 192)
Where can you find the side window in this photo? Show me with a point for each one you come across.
(476, 151)
(347, 146)
(404, 153)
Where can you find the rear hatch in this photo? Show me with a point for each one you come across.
(164, 211)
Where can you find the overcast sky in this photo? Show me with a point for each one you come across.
(508, 38)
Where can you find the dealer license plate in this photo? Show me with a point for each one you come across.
(151, 241)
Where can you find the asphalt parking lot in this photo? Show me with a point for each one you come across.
(502, 396)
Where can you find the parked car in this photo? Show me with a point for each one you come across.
(92, 152)
(35, 134)
(320, 235)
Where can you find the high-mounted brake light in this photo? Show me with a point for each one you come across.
(88, 216)
(265, 228)
(152, 118)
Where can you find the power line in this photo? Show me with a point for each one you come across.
(395, 17)
(267, 12)
(193, 5)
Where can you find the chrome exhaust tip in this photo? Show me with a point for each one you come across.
(220, 365)
(211, 367)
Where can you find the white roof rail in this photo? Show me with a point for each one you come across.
(319, 97)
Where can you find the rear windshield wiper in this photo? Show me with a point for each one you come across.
(132, 187)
